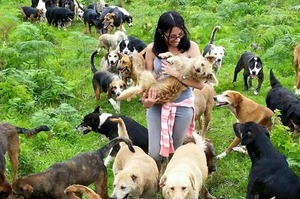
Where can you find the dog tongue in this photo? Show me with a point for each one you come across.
(253, 76)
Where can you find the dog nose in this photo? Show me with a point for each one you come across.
(215, 98)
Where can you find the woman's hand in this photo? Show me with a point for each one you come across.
(148, 99)
(169, 70)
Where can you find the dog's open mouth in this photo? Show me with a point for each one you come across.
(218, 104)
(253, 76)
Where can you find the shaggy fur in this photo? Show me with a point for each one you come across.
(270, 175)
(169, 88)
(111, 41)
(85, 169)
(75, 191)
(297, 69)
(186, 172)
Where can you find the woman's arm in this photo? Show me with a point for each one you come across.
(149, 58)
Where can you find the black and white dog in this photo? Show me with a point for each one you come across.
(100, 123)
(130, 45)
(212, 49)
(253, 68)
(270, 175)
(286, 102)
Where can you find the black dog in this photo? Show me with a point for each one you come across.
(253, 68)
(59, 17)
(286, 102)
(91, 18)
(131, 44)
(33, 14)
(100, 123)
(270, 175)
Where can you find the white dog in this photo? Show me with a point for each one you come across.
(110, 62)
(186, 172)
(111, 41)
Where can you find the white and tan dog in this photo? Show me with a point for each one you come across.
(135, 174)
(111, 41)
(186, 172)
(110, 61)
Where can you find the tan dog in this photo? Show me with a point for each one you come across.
(245, 110)
(75, 191)
(9, 142)
(186, 172)
(85, 169)
(169, 88)
(131, 66)
(297, 69)
(204, 103)
(135, 174)
(110, 41)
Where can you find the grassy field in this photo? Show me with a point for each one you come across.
(45, 78)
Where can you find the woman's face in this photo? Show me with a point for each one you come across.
(173, 36)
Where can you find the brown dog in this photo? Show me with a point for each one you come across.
(131, 66)
(245, 110)
(85, 169)
(297, 69)
(5, 186)
(9, 142)
(75, 191)
(204, 103)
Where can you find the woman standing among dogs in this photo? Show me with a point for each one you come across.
(170, 35)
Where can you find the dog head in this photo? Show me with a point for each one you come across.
(177, 186)
(228, 98)
(210, 156)
(218, 52)
(125, 65)
(126, 47)
(22, 190)
(108, 22)
(116, 87)
(112, 58)
(125, 184)
(128, 20)
(293, 114)
(254, 66)
(250, 131)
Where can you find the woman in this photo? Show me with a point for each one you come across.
(170, 35)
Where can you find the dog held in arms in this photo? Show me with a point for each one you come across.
(212, 49)
(253, 68)
(9, 142)
(100, 123)
(135, 174)
(270, 175)
(186, 172)
(169, 88)
(107, 82)
(85, 169)
(286, 102)
(245, 110)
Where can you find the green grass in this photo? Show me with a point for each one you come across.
(68, 94)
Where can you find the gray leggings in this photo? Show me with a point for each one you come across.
(183, 117)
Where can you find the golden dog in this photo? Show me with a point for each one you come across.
(204, 103)
(131, 66)
(186, 172)
(169, 88)
(75, 191)
(297, 69)
(245, 110)
(136, 174)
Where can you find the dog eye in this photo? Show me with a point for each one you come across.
(123, 187)
(172, 188)
(183, 188)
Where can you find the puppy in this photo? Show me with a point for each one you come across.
(5, 186)
(76, 189)
(212, 49)
(169, 88)
(111, 41)
(286, 102)
(135, 174)
(204, 103)
(186, 172)
(131, 45)
(297, 69)
(100, 123)
(107, 82)
(85, 169)
(253, 68)
(91, 18)
(245, 110)
(130, 67)
(33, 14)
(270, 175)
(9, 142)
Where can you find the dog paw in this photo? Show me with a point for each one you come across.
(240, 149)
(222, 155)
(165, 55)
(255, 92)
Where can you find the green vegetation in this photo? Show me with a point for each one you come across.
(45, 78)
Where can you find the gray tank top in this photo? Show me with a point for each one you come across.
(187, 93)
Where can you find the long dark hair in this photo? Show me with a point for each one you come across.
(167, 21)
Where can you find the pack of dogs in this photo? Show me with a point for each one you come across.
(185, 175)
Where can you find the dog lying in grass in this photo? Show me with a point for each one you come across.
(169, 88)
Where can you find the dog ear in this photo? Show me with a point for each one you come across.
(162, 181)
(237, 98)
(247, 138)
(211, 58)
(212, 80)
(192, 179)
(97, 109)
(109, 91)
(27, 190)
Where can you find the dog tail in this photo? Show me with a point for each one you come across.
(105, 149)
(273, 81)
(81, 189)
(93, 68)
(79, 6)
(30, 132)
(213, 34)
(122, 131)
